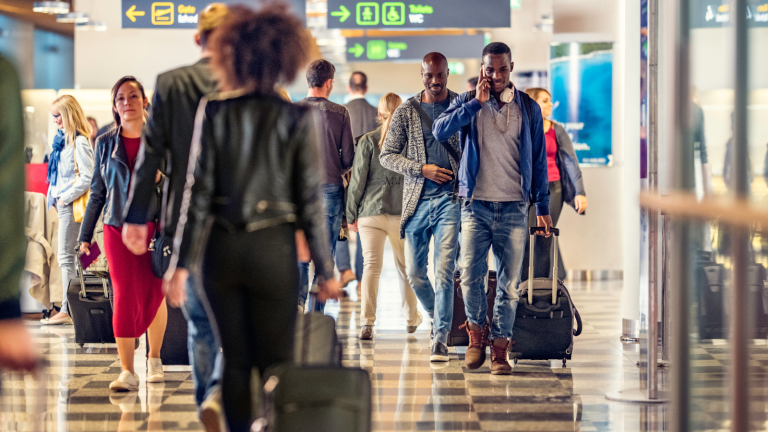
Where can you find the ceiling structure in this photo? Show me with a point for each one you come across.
(22, 10)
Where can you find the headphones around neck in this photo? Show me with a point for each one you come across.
(507, 95)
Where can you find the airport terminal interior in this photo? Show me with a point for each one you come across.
(664, 108)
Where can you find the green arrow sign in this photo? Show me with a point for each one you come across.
(357, 50)
(343, 13)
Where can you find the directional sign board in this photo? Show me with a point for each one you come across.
(182, 14)
(359, 14)
(413, 48)
(713, 13)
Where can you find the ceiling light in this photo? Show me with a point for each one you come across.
(92, 25)
(72, 17)
(51, 7)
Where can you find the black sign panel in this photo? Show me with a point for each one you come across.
(183, 14)
(392, 15)
(413, 48)
(713, 13)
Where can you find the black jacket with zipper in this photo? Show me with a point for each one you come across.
(256, 165)
(109, 185)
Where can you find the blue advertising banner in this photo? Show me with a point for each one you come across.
(183, 14)
(581, 76)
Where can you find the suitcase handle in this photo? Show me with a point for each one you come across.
(533, 231)
(80, 272)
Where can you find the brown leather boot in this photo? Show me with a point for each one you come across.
(499, 363)
(478, 340)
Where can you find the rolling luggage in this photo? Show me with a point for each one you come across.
(756, 277)
(90, 306)
(545, 315)
(316, 342)
(175, 350)
(710, 283)
(457, 336)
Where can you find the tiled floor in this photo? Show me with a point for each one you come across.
(409, 393)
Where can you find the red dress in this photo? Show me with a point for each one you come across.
(137, 292)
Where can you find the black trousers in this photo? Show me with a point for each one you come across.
(542, 264)
(252, 283)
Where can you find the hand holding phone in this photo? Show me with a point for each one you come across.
(483, 92)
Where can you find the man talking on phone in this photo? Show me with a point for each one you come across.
(503, 171)
(430, 208)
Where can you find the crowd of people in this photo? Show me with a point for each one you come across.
(253, 184)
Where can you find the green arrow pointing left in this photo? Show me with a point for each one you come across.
(343, 13)
(357, 50)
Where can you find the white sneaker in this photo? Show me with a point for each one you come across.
(125, 382)
(212, 413)
(155, 372)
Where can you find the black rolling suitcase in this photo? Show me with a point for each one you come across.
(315, 393)
(457, 336)
(175, 349)
(545, 315)
(90, 306)
(710, 283)
(756, 278)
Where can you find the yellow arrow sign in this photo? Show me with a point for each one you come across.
(132, 13)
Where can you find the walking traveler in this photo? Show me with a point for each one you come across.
(429, 205)
(94, 130)
(167, 136)
(565, 186)
(255, 172)
(16, 349)
(363, 118)
(139, 304)
(374, 206)
(333, 128)
(70, 168)
(503, 169)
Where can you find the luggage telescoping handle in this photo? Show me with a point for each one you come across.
(80, 272)
(556, 233)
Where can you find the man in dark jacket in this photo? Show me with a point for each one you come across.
(363, 118)
(16, 349)
(167, 136)
(503, 171)
(337, 149)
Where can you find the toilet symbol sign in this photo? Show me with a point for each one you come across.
(418, 14)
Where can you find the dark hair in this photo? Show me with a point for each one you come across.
(497, 48)
(359, 85)
(117, 86)
(320, 71)
(259, 49)
(473, 81)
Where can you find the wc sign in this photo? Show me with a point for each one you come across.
(181, 14)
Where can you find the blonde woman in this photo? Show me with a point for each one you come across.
(72, 154)
(374, 205)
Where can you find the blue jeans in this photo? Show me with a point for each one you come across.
(333, 206)
(204, 352)
(344, 261)
(437, 217)
(503, 226)
(68, 232)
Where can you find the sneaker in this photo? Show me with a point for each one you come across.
(212, 413)
(439, 352)
(412, 328)
(127, 381)
(499, 363)
(478, 340)
(366, 333)
(58, 319)
(346, 277)
(155, 372)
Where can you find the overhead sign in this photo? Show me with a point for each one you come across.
(413, 47)
(709, 13)
(353, 14)
(182, 14)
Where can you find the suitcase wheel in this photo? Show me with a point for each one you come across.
(80, 345)
(514, 360)
(563, 362)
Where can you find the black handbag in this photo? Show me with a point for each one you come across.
(161, 249)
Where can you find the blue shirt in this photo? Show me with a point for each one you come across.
(436, 152)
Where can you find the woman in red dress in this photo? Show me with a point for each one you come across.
(139, 304)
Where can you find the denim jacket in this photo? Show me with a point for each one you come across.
(70, 187)
(461, 116)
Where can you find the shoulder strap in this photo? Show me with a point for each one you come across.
(425, 118)
(74, 155)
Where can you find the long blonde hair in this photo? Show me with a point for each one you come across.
(73, 119)
(387, 106)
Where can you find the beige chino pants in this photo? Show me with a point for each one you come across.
(374, 231)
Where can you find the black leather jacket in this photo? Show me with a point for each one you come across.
(256, 165)
(109, 185)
